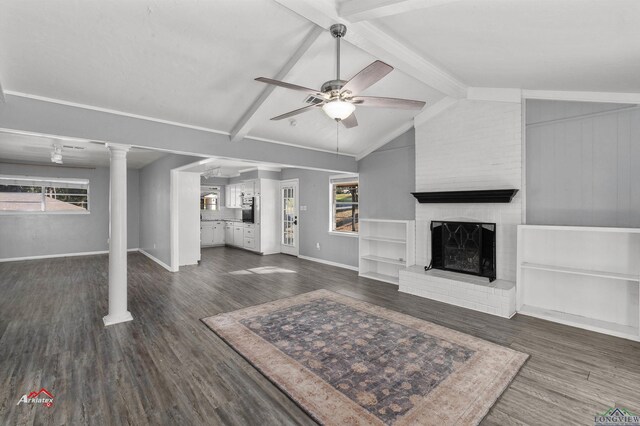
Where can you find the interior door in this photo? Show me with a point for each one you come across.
(289, 239)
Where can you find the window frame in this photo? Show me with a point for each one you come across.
(43, 183)
(333, 182)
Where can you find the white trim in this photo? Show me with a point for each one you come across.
(345, 176)
(253, 114)
(523, 162)
(295, 182)
(111, 320)
(158, 261)
(559, 95)
(174, 208)
(498, 94)
(433, 110)
(328, 262)
(583, 116)
(344, 234)
(404, 127)
(263, 168)
(53, 256)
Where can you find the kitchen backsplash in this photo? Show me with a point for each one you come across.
(223, 213)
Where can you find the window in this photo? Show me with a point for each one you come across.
(19, 194)
(344, 205)
(209, 201)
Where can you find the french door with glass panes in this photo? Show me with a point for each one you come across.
(289, 217)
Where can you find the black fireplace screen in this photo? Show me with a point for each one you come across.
(467, 247)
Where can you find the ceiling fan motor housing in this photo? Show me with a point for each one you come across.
(338, 30)
(332, 86)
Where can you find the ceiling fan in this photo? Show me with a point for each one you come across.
(338, 98)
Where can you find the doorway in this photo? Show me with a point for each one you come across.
(289, 235)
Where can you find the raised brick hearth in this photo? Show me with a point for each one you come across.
(477, 293)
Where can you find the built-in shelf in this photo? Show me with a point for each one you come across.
(566, 274)
(381, 277)
(382, 243)
(614, 329)
(384, 259)
(385, 240)
(578, 271)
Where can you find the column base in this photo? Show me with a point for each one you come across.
(116, 319)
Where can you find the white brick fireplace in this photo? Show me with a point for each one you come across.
(473, 145)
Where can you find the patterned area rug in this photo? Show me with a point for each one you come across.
(349, 362)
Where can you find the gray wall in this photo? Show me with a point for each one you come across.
(314, 222)
(53, 234)
(387, 178)
(155, 191)
(582, 164)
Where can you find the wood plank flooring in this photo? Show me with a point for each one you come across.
(166, 367)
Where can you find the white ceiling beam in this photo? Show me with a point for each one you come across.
(559, 95)
(366, 10)
(251, 116)
(381, 45)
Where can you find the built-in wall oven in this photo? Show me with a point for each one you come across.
(248, 209)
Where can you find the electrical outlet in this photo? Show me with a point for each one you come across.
(318, 246)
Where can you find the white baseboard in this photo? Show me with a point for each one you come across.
(328, 262)
(51, 256)
(158, 261)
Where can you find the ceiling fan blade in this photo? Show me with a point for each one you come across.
(296, 112)
(376, 101)
(350, 121)
(291, 86)
(367, 77)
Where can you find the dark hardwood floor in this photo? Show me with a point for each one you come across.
(166, 367)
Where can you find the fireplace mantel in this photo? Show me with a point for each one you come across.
(479, 196)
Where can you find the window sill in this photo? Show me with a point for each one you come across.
(16, 213)
(344, 234)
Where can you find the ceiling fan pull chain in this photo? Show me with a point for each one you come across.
(337, 137)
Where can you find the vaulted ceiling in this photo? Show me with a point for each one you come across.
(195, 62)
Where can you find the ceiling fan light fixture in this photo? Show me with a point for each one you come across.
(338, 109)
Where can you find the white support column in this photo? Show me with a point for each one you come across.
(118, 237)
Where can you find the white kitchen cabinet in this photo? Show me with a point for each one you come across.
(233, 195)
(211, 233)
(218, 233)
(206, 234)
(238, 235)
(250, 243)
(228, 233)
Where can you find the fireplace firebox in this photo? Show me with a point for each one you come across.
(466, 247)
